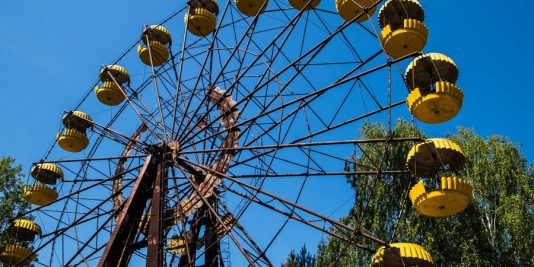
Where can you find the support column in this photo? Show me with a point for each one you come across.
(155, 231)
(117, 252)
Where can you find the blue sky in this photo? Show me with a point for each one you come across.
(50, 53)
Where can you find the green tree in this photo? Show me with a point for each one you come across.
(495, 230)
(12, 201)
(302, 259)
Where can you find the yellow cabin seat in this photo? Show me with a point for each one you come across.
(251, 7)
(210, 5)
(427, 158)
(394, 12)
(301, 4)
(439, 105)
(160, 53)
(176, 245)
(25, 230)
(47, 173)
(402, 254)
(109, 94)
(349, 9)
(72, 140)
(409, 38)
(16, 255)
(200, 22)
(154, 51)
(157, 33)
(39, 194)
(452, 198)
(427, 69)
(229, 221)
(77, 120)
(119, 73)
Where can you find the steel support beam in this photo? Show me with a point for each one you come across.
(116, 252)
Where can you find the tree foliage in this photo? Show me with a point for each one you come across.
(11, 200)
(495, 230)
(302, 259)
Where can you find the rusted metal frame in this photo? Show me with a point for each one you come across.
(212, 42)
(320, 174)
(214, 213)
(131, 102)
(136, 242)
(358, 231)
(322, 143)
(154, 80)
(90, 254)
(402, 209)
(228, 92)
(108, 129)
(343, 35)
(178, 76)
(54, 233)
(76, 222)
(86, 159)
(189, 258)
(222, 73)
(83, 171)
(250, 239)
(252, 26)
(382, 162)
(323, 131)
(86, 243)
(297, 218)
(315, 94)
(183, 231)
(77, 192)
(190, 236)
(154, 121)
(320, 45)
(117, 184)
(303, 101)
(124, 232)
(155, 231)
(212, 253)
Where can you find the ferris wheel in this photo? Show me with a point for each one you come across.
(173, 156)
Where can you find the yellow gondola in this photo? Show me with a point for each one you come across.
(303, 4)
(77, 120)
(16, 255)
(111, 77)
(402, 254)
(427, 69)
(427, 158)
(210, 5)
(47, 173)
(251, 7)
(154, 51)
(453, 197)
(39, 194)
(72, 140)
(25, 230)
(109, 93)
(403, 30)
(157, 33)
(350, 9)
(117, 72)
(200, 21)
(441, 104)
